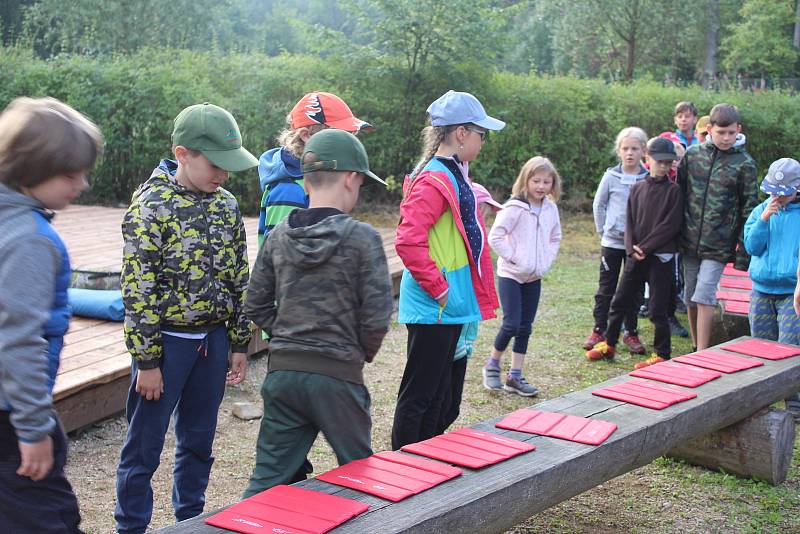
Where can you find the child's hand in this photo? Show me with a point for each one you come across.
(771, 209)
(149, 383)
(36, 459)
(238, 368)
(797, 300)
(638, 254)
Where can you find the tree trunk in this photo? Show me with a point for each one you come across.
(796, 39)
(711, 44)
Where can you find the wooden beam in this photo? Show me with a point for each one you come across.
(760, 446)
(93, 404)
(498, 497)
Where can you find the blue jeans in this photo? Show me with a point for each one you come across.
(194, 383)
(520, 302)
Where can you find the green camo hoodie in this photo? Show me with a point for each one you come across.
(720, 190)
(184, 265)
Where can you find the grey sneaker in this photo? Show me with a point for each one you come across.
(793, 407)
(520, 387)
(491, 378)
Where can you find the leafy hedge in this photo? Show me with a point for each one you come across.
(573, 121)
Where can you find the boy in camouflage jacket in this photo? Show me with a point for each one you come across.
(718, 179)
(321, 289)
(184, 276)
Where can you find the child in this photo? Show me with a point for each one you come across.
(701, 129)
(772, 238)
(653, 223)
(279, 172)
(718, 179)
(46, 151)
(448, 279)
(685, 117)
(184, 274)
(609, 205)
(526, 236)
(469, 332)
(321, 289)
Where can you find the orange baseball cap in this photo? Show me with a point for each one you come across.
(328, 109)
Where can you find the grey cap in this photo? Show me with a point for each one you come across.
(783, 177)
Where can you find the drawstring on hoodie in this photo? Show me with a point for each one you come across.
(202, 347)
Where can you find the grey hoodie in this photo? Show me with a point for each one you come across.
(321, 290)
(610, 204)
(34, 315)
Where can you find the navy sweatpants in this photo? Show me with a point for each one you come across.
(194, 383)
(47, 506)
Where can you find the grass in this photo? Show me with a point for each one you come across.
(666, 496)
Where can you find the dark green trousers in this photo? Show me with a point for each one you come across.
(297, 406)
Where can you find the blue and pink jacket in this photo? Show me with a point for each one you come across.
(432, 243)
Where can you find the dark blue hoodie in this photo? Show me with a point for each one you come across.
(281, 180)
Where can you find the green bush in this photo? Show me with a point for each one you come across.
(134, 99)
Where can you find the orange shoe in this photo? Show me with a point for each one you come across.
(601, 351)
(653, 359)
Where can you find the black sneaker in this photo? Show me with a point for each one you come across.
(676, 328)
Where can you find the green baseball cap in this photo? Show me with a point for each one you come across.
(214, 132)
(337, 150)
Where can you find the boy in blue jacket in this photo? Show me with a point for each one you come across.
(772, 238)
(46, 151)
(279, 172)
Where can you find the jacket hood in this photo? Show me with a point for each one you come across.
(309, 246)
(618, 173)
(521, 203)
(278, 164)
(10, 198)
(162, 176)
(741, 140)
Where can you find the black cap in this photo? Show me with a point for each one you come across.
(660, 148)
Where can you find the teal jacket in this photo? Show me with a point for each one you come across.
(774, 247)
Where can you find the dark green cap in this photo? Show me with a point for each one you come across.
(214, 132)
(337, 150)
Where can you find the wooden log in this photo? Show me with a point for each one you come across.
(498, 497)
(727, 326)
(758, 447)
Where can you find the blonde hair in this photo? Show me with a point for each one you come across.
(432, 139)
(631, 131)
(531, 167)
(290, 138)
(42, 138)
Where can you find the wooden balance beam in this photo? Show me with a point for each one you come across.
(498, 497)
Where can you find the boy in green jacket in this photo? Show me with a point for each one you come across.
(718, 179)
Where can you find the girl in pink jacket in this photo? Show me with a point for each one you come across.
(526, 235)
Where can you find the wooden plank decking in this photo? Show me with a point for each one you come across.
(95, 366)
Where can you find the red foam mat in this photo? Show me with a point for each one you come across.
(287, 509)
(676, 373)
(470, 448)
(762, 348)
(733, 295)
(735, 306)
(558, 425)
(719, 361)
(736, 283)
(730, 271)
(391, 475)
(645, 394)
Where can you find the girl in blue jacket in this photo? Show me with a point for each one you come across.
(771, 236)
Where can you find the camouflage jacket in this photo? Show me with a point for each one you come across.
(720, 190)
(184, 265)
(321, 290)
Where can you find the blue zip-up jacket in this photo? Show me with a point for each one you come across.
(773, 246)
(34, 312)
(281, 179)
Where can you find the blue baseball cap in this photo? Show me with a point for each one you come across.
(783, 177)
(455, 107)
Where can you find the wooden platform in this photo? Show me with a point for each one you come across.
(93, 379)
(498, 497)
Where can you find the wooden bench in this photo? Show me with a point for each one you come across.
(94, 375)
(498, 497)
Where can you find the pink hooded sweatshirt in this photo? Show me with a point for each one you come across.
(526, 243)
